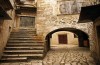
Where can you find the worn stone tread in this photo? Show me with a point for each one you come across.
(38, 44)
(27, 41)
(38, 47)
(22, 55)
(22, 51)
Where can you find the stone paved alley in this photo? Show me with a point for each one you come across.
(62, 55)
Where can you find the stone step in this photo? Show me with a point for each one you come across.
(25, 38)
(29, 35)
(25, 44)
(11, 40)
(15, 59)
(26, 41)
(23, 51)
(33, 36)
(22, 28)
(26, 30)
(22, 55)
(25, 48)
(22, 34)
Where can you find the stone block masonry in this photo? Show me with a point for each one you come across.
(48, 20)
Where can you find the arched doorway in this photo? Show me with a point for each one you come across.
(63, 38)
(82, 37)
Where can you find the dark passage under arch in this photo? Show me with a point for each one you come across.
(82, 36)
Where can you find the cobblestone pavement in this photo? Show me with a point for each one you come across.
(62, 55)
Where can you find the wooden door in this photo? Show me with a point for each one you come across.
(62, 38)
(27, 22)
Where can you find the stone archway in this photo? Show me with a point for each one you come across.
(82, 37)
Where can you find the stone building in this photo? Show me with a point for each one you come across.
(28, 28)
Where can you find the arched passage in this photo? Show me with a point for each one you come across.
(63, 38)
(82, 37)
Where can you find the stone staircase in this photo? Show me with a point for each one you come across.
(23, 46)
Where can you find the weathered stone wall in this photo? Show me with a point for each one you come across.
(5, 29)
(48, 20)
(96, 53)
(28, 12)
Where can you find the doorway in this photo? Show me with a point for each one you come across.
(98, 34)
(62, 38)
(27, 22)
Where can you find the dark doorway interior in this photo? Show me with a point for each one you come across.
(27, 21)
(62, 38)
(98, 34)
(98, 38)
